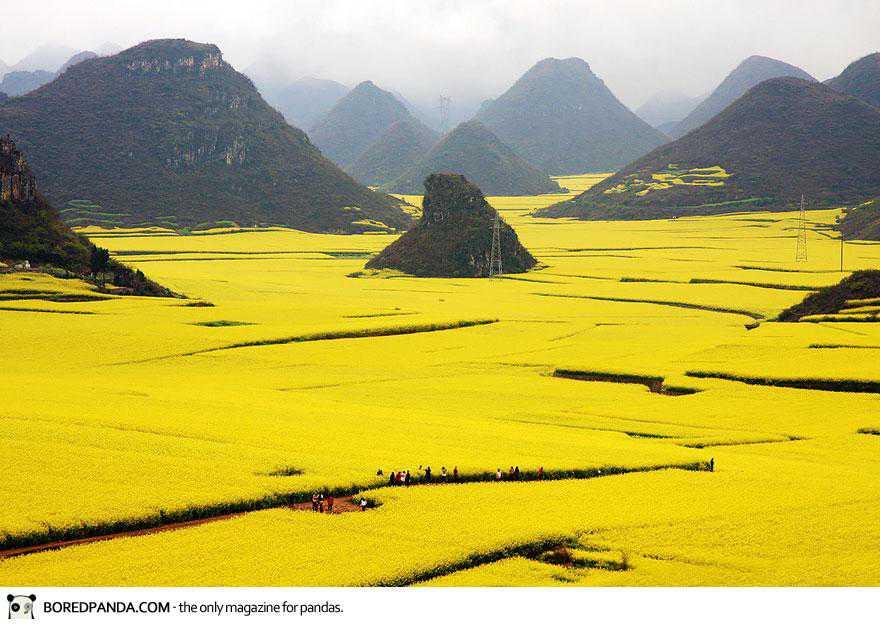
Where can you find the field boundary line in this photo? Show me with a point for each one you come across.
(351, 334)
(665, 303)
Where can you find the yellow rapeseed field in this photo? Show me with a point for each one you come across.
(283, 373)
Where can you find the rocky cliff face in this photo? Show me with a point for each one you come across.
(17, 183)
(454, 236)
(32, 234)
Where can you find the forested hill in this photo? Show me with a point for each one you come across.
(169, 133)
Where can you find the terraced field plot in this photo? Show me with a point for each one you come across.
(672, 176)
(282, 374)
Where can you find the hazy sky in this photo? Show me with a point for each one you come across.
(475, 49)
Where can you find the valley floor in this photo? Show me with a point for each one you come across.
(128, 413)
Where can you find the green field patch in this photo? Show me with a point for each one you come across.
(741, 442)
(207, 226)
(197, 303)
(382, 314)
(50, 296)
(835, 346)
(286, 471)
(222, 323)
(51, 311)
(655, 384)
(772, 269)
(87, 213)
(635, 279)
(858, 386)
(346, 254)
(839, 317)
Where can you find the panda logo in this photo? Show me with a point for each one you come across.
(21, 606)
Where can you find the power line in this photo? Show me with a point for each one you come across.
(801, 250)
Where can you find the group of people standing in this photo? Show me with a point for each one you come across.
(321, 503)
(514, 474)
(404, 478)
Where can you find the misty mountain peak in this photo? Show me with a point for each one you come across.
(356, 121)
(747, 74)
(476, 152)
(561, 117)
(861, 79)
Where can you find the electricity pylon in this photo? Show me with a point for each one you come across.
(495, 254)
(801, 251)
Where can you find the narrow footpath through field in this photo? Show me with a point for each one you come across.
(343, 504)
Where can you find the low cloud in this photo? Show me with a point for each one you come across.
(472, 50)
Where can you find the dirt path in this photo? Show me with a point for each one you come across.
(342, 505)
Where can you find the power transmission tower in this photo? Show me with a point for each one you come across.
(443, 105)
(495, 254)
(801, 251)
